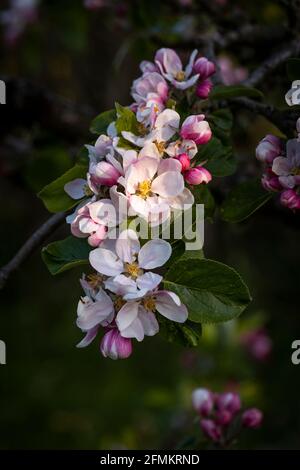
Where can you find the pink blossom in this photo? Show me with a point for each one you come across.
(203, 401)
(257, 343)
(113, 345)
(290, 199)
(196, 128)
(148, 86)
(197, 175)
(269, 148)
(204, 88)
(228, 401)
(184, 160)
(211, 429)
(252, 418)
(171, 68)
(204, 67)
(288, 168)
(270, 181)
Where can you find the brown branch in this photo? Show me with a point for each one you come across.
(285, 120)
(35, 240)
(276, 59)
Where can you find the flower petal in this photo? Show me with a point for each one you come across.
(135, 330)
(143, 170)
(148, 281)
(126, 315)
(154, 253)
(89, 337)
(127, 245)
(168, 304)
(106, 262)
(281, 166)
(120, 284)
(75, 188)
(149, 322)
(168, 184)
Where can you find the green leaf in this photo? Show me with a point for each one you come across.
(126, 120)
(293, 69)
(187, 334)
(222, 118)
(54, 196)
(101, 122)
(66, 254)
(211, 291)
(221, 92)
(244, 200)
(220, 159)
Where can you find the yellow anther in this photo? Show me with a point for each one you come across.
(144, 189)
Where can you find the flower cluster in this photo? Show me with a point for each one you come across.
(221, 415)
(281, 161)
(143, 167)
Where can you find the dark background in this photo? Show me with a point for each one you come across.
(66, 67)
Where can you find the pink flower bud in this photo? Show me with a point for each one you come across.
(270, 182)
(269, 148)
(229, 401)
(184, 160)
(196, 128)
(106, 174)
(252, 418)
(223, 417)
(289, 198)
(113, 345)
(197, 175)
(204, 88)
(204, 67)
(211, 430)
(202, 400)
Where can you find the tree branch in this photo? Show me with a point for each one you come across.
(276, 59)
(35, 240)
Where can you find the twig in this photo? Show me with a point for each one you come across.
(285, 120)
(292, 49)
(30, 245)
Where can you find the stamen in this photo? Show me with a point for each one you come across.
(149, 304)
(180, 76)
(144, 189)
(133, 269)
(95, 280)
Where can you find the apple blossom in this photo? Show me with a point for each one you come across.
(126, 265)
(204, 88)
(204, 67)
(196, 128)
(288, 168)
(269, 148)
(113, 345)
(171, 68)
(203, 401)
(197, 175)
(252, 418)
(290, 199)
(153, 187)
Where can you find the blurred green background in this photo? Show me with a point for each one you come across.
(54, 396)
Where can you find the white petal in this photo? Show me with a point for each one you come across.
(89, 337)
(104, 212)
(189, 67)
(140, 206)
(281, 166)
(168, 184)
(186, 84)
(150, 150)
(75, 188)
(168, 304)
(183, 201)
(126, 315)
(127, 245)
(154, 253)
(121, 284)
(148, 281)
(92, 313)
(169, 164)
(135, 330)
(106, 262)
(149, 322)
